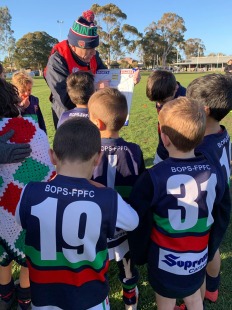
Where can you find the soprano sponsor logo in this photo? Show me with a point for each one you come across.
(182, 264)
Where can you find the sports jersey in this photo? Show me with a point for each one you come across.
(67, 222)
(34, 108)
(217, 148)
(121, 164)
(184, 196)
(76, 112)
(181, 90)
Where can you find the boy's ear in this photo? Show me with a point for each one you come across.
(52, 156)
(100, 125)
(165, 139)
(97, 159)
(207, 110)
(176, 89)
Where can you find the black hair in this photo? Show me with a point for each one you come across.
(214, 91)
(161, 84)
(77, 139)
(9, 99)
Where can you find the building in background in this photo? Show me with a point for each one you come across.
(203, 63)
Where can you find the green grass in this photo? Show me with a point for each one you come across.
(142, 129)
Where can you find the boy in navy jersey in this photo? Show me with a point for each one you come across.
(185, 195)
(67, 222)
(162, 87)
(214, 92)
(80, 86)
(120, 165)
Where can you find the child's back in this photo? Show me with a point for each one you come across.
(120, 165)
(214, 92)
(217, 148)
(80, 86)
(66, 244)
(71, 249)
(182, 220)
(121, 161)
(184, 193)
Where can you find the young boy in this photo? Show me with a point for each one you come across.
(67, 223)
(184, 193)
(214, 92)
(162, 87)
(29, 103)
(120, 165)
(80, 86)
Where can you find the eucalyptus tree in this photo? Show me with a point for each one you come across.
(168, 34)
(7, 40)
(33, 50)
(116, 37)
(194, 47)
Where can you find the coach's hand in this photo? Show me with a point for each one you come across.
(136, 76)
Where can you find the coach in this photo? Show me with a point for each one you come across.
(76, 53)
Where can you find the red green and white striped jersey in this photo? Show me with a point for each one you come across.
(185, 197)
(67, 223)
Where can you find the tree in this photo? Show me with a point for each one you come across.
(218, 54)
(194, 48)
(151, 48)
(115, 37)
(212, 54)
(169, 32)
(33, 50)
(7, 41)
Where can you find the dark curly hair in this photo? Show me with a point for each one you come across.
(9, 99)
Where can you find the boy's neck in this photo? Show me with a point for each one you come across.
(109, 134)
(212, 126)
(76, 170)
(174, 153)
(81, 106)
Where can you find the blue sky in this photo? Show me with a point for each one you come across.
(209, 20)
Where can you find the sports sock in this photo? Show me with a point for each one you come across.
(7, 291)
(212, 283)
(23, 297)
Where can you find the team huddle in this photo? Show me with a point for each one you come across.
(66, 212)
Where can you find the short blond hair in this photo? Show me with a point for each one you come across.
(21, 79)
(110, 106)
(183, 120)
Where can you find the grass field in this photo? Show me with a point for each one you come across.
(142, 130)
